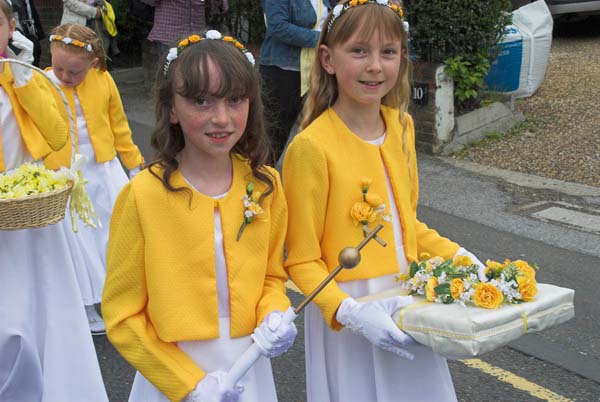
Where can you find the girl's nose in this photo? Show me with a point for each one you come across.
(220, 113)
(374, 63)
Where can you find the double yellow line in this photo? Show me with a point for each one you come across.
(507, 377)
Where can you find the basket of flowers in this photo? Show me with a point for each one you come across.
(33, 196)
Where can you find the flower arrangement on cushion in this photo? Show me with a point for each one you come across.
(456, 281)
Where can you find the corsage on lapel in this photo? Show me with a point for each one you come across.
(370, 210)
(251, 208)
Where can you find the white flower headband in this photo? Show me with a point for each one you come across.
(342, 8)
(174, 52)
(70, 41)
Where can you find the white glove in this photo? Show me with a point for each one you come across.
(134, 171)
(480, 266)
(373, 320)
(274, 336)
(211, 389)
(21, 74)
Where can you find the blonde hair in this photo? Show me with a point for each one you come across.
(368, 19)
(82, 34)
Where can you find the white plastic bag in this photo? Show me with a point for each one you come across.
(535, 23)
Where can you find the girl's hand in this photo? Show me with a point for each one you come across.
(275, 335)
(211, 389)
(21, 74)
(373, 320)
(480, 267)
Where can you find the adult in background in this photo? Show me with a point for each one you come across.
(89, 13)
(293, 27)
(175, 19)
(29, 24)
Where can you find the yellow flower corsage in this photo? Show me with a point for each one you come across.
(252, 208)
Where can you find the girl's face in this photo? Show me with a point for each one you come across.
(71, 67)
(7, 27)
(211, 126)
(365, 69)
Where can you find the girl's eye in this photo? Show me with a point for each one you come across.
(201, 101)
(235, 99)
(359, 50)
(390, 51)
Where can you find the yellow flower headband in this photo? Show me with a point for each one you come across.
(174, 52)
(70, 41)
(342, 8)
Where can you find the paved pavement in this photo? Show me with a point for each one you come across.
(494, 213)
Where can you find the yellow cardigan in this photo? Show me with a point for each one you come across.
(322, 174)
(40, 123)
(106, 122)
(161, 283)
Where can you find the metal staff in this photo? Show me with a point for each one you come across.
(348, 258)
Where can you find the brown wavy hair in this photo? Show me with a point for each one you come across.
(83, 34)
(7, 10)
(238, 78)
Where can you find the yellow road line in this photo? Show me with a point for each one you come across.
(516, 381)
(292, 286)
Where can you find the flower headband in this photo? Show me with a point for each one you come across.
(174, 52)
(70, 41)
(342, 8)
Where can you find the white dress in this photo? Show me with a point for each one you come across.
(46, 349)
(105, 181)
(344, 366)
(218, 354)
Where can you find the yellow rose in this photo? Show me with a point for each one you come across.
(255, 208)
(527, 287)
(493, 265)
(365, 182)
(353, 3)
(194, 38)
(424, 256)
(525, 268)
(239, 45)
(184, 43)
(361, 212)
(374, 200)
(457, 287)
(487, 296)
(430, 288)
(462, 261)
(228, 38)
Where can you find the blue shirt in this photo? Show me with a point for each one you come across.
(290, 26)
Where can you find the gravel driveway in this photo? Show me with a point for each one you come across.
(561, 137)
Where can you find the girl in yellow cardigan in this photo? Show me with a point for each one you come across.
(102, 132)
(195, 255)
(354, 165)
(46, 351)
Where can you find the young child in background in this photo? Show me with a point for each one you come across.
(353, 162)
(102, 132)
(46, 351)
(195, 255)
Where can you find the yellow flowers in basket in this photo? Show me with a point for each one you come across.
(457, 281)
(33, 196)
(30, 179)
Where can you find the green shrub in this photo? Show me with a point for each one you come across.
(245, 21)
(461, 34)
(443, 29)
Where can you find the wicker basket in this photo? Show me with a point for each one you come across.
(42, 209)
